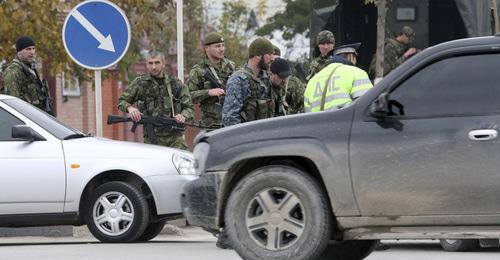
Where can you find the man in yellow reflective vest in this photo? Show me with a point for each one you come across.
(338, 84)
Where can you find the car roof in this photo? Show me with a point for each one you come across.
(2, 97)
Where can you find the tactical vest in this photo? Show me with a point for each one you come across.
(159, 99)
(257, 106)
(36, 92)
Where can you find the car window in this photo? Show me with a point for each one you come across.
(453, 86)
(42, 119)
(7, 121)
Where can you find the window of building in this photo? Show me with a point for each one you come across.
(70, 85)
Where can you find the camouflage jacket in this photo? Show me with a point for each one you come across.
(317, 64)
(151, 96)
(211, 107)
(247, 97)
(393, 54)
(23, 82)
(295, 95)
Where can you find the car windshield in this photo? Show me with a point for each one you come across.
(44, 120)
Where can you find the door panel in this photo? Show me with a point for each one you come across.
(32, 174)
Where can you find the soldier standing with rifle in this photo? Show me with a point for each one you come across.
(23, 81)
(208, 78)
(158, 94)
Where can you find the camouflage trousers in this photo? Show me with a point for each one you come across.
(171, 139)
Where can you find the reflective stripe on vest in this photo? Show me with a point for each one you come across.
(346, 84)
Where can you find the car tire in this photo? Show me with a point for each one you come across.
(286, 201)
(459, 245)
(348, 250)
(152, 230)
(117, 213)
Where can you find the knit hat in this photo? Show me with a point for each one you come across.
(276, 50)
(259, 47)
(24, 42)
(325, 37)
(281, 68)
(213, 38)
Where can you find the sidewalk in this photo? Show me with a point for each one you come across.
(82, 234)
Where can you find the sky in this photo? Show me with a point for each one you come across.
(300, 43)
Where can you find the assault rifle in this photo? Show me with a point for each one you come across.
(215, 84)
(152, 122)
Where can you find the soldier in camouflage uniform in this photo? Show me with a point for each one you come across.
(215, 67)
(279, 74)
(292, 91)
(396, 50)
(21, 78)
(158, 94)
(248, 92)
(325, 43)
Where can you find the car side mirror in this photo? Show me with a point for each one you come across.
(25, 132)
(380, 107)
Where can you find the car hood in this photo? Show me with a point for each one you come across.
(308, 125)
(102, 148)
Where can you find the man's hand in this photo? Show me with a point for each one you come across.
(180, 119)
(134, 113)
(410, 52)
(215, 92)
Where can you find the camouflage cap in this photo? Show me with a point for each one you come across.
(276, 50)
(260, 46)
(212, 38)
(408, 31)
(325, 37)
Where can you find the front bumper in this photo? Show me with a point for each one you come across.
(200, 200)
(166, 191)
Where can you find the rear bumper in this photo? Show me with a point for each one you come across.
(200, 201)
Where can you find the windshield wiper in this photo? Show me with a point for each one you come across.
(75, 136)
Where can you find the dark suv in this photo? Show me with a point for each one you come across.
(417, 157)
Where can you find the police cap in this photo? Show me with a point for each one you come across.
(259, 47)
(325, 37)
(348, 48)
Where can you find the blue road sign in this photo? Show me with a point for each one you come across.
(96, 34)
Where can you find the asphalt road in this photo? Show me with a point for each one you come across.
(195, 245)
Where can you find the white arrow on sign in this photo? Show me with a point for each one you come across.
(106, 43)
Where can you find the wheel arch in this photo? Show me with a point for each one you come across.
(115, 175)
(244, 167)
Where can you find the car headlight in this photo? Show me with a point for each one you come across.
(183, 164)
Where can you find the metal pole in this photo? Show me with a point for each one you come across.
(98, 103)
(180, 42)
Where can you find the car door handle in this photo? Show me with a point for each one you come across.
(483, 134)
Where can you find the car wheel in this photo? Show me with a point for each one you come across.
(278, 212)
(348, 250)
(153, 229)
(117, 212)
(459, 245)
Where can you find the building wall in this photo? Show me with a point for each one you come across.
(420, 24)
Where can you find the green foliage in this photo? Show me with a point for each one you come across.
(294, 20)
(153, 26)
(232, 25)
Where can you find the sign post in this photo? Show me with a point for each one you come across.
(96, 35)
